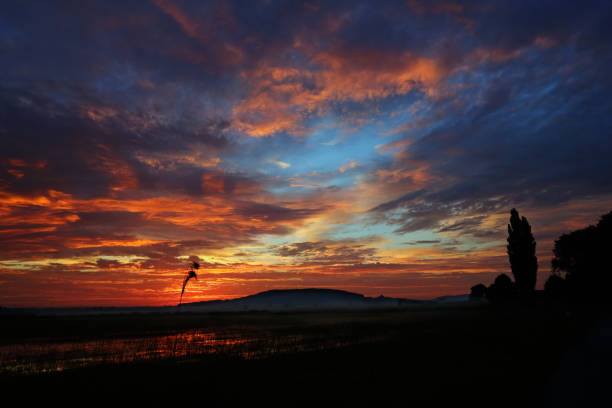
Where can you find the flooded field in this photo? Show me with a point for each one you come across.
(48, 356)
(362, 357)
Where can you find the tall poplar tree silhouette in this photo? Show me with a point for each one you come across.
(521, 251)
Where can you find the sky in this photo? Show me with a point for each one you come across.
(375, 147)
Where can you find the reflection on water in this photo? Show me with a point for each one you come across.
(57, 356)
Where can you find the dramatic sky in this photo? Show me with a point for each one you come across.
(375, 147)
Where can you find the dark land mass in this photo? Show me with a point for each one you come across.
(302, 299)
(464, 352)
(271, 300)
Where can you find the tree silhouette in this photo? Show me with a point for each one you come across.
(501, 290)
(521, 252)
(584, 257)
(556, 287)
(190, 274)
(478, 291)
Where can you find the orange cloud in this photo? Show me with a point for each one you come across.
(105, 160)
(184, 20)
(204, 29)
(19, 167)
(350, 165)
(281, 97)
(409, 177)
(360, 266)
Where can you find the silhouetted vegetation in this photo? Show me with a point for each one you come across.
(523, 262)
(556, 287)
(581, 266)
(478, 291)
(521, 251)
(190, 274)
(502, 290)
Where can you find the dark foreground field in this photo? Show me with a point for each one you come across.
(470, 353)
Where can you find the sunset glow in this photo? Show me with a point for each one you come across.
(374, 147)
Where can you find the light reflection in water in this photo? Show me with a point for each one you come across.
(57, 356)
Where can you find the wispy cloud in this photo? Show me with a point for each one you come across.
(350, 165)
(281, 164)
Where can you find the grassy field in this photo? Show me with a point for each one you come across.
(477, 354)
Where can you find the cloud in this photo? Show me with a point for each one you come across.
(328, 252)
(281, 98)
(279, 163)
(350, 165)
(510, 143)
(132, 140)
(423, 242)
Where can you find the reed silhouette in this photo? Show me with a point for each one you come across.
(190, 274)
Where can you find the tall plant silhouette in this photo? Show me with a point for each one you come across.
(521, 251)
(190, 274)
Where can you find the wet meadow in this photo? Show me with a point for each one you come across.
(470, 352)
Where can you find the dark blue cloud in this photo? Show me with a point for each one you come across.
(534, 130)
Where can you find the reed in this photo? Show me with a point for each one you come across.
(190, 274)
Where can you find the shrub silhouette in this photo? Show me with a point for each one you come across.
(521, 252)
(583, 257)
(478, 291)
(502, 290)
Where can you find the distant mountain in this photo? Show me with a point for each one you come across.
(271, 300)
(299, 299)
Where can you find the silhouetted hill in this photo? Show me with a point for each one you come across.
(299, 299)
(271, 300)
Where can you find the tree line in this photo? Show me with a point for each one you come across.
(580, 266)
